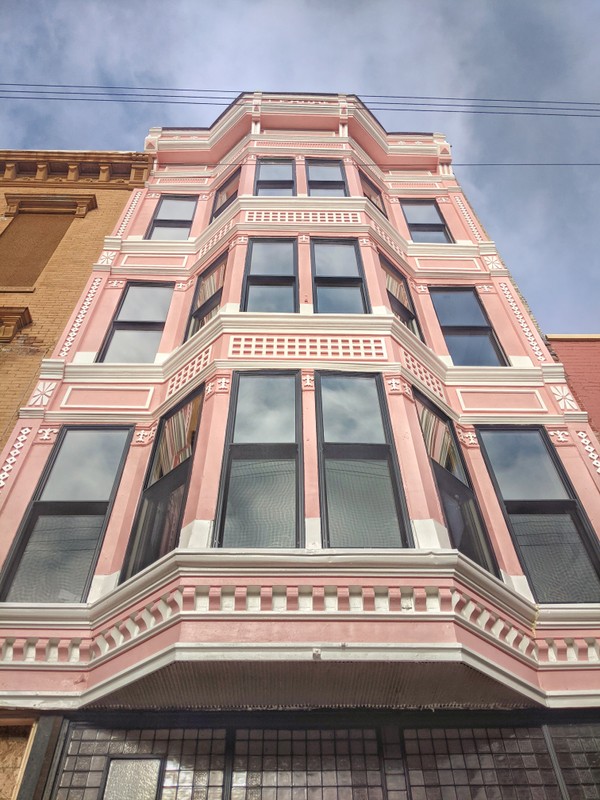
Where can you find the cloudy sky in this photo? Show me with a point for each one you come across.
(544, 220)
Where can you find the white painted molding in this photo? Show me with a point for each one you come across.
(519, 583)
(430, 534)
(84, 357)
(313, 536)
(102, 585)
(521, 362)
(197, 535)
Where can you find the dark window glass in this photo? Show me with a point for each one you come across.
(469, 337)
(338, 278)
(359, 485)
(207, 298)
(458, 500)
(372, 193)
(226, 194)
(157, 527)
(325, 178)
(425, 223)
(399, 297)
(261, 495)
(173, 218)
(137, 327)
(270, 278)
(275, 178)
(63, 531)
(557, 549)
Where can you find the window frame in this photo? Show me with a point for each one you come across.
(171, 223)
(130, 567)
(320, 184)
(332, 281)
(116, 324)
(213, 301)
(260, 183)
(269, 280)
(217, 211)
(451, 479)
(275, 450)
(362, 176)
(571, 506)
(399, 309)
(36, 508)
(359, 452)
(470, 330)
(426, 227)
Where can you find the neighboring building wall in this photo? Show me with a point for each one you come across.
(581, 356)
(55, 210)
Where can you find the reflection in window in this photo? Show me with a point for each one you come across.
(458, 501)
(207, 298)
(338, 278)
(325, 178)
(275, 177)
(270, 279)
(173, 218)
(425, 222)
(399, 296)
(558, 552)
(226, 194)
(63, 530)
(469, 336)
(158, 521)
(359, 482)
(372, 192)
(260, 496)
(137, 327)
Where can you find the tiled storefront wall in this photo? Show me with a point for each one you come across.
(521, 763)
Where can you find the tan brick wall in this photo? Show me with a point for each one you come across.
(13, 745)
(57, 291)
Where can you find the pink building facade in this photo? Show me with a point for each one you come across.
(300, 473)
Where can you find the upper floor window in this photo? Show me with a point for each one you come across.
(326, 178)
(458, 500)
(270, 278)
(226, 194)
(372, 192)
(260, 495)
(158, 521)
(173, 218)
(360, 498)
(275, 177)
(137, 327)
(425, 222)
(338, 278)
(469, 336)
(557, 549)
(207, 297)
(399, 296)
(54, 556)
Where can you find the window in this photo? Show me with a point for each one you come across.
(326, 178)
(261, 501)
(137, 328)
(558, 551)
(173, 218)
(157, 527)
(54, 558)
(458, 501)
(226, 194)
(425, 222)
(372, 192)
(275, 177)
(207, 298)
(270, 279)
(338, 278)
(359, 488)
(469, 336)
(399, 296)
(137, 777)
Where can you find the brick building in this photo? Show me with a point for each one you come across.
(55, 210)
(580, 355)
(305, 509)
